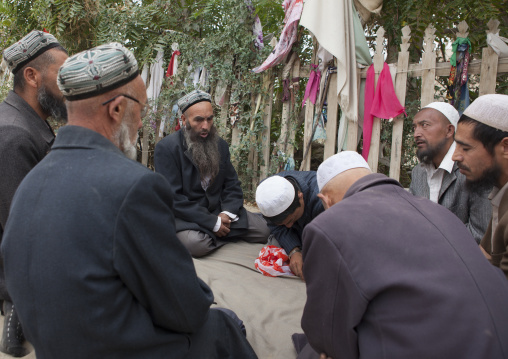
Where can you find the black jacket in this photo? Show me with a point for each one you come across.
(195, 208)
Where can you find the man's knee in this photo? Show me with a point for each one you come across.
(197, 243)
(258, 228)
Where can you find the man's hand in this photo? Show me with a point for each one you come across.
(224, 226)
(488, 256)
(226, 221)
(296, 264)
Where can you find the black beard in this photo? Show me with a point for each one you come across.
(52, 105)
(486, 181)
(427, 156)
(204, 151)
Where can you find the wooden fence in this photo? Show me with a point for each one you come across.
(427, 68)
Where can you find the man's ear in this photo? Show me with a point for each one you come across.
(504, 146)
(450, 131)
(184, 120)
(327, 203)
(32, 77)
(116, 109)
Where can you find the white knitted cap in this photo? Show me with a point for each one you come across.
(491, 110)
(446, 109)
(337, 164)
(274, 195)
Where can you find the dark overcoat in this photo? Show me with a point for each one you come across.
(290, 238)
(394, 276)
(195, 208)
(92, 260)
(25, 139)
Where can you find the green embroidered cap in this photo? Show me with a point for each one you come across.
(96, 71)
(193, 98)
(28, 48)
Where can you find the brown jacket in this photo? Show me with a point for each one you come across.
(498, 248)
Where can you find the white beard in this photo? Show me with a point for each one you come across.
(123, 139)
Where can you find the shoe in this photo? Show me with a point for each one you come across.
(12, 336)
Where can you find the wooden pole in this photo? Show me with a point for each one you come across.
(400, 91)
(428, 67)
(490, 59)
(376, 126)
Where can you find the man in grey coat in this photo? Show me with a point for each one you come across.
(437, 177)
(394, 276)
(25, 138)
(97, 271)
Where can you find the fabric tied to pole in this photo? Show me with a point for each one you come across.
(312, 88)
(380, 101)
(293, 10)
(458, 93)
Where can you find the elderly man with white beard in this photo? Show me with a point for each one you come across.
(92, 260)
(208, 199)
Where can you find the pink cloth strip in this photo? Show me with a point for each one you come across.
(381, 103)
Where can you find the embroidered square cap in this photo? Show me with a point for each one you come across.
(28, 48)
(193, 98)
(274, 195)
(447, 110)
(491, 110)
(96, 71)
(337, 164)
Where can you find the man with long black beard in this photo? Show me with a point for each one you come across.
(437, 177)
(25, 138)
(207, 197)
(482, 156)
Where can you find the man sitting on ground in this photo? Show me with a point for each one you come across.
(482, 156)
(97, 271)
(207, 197)
(289, 201)
(437, 177)
(390, 275)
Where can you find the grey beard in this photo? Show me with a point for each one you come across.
(205, 153)
(122, 139)
(52, 105)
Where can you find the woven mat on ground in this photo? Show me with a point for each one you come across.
(271, 308)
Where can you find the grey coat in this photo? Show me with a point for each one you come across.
(473, 209)
(25, 139)
(394, 276)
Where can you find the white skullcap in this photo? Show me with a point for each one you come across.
(337, 164)
(274, 195)
(446, 109)
(491, 110)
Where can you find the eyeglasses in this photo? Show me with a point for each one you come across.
(144, 109)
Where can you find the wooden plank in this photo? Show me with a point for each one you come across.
(400, 91)
(331, 124)
(443, 68)
(376, 126)
(352, 127)
(429, 64)
(490, 59)
(307, 133)
(145, 144)
(224, 114)
(265, 134)
(296, 108)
